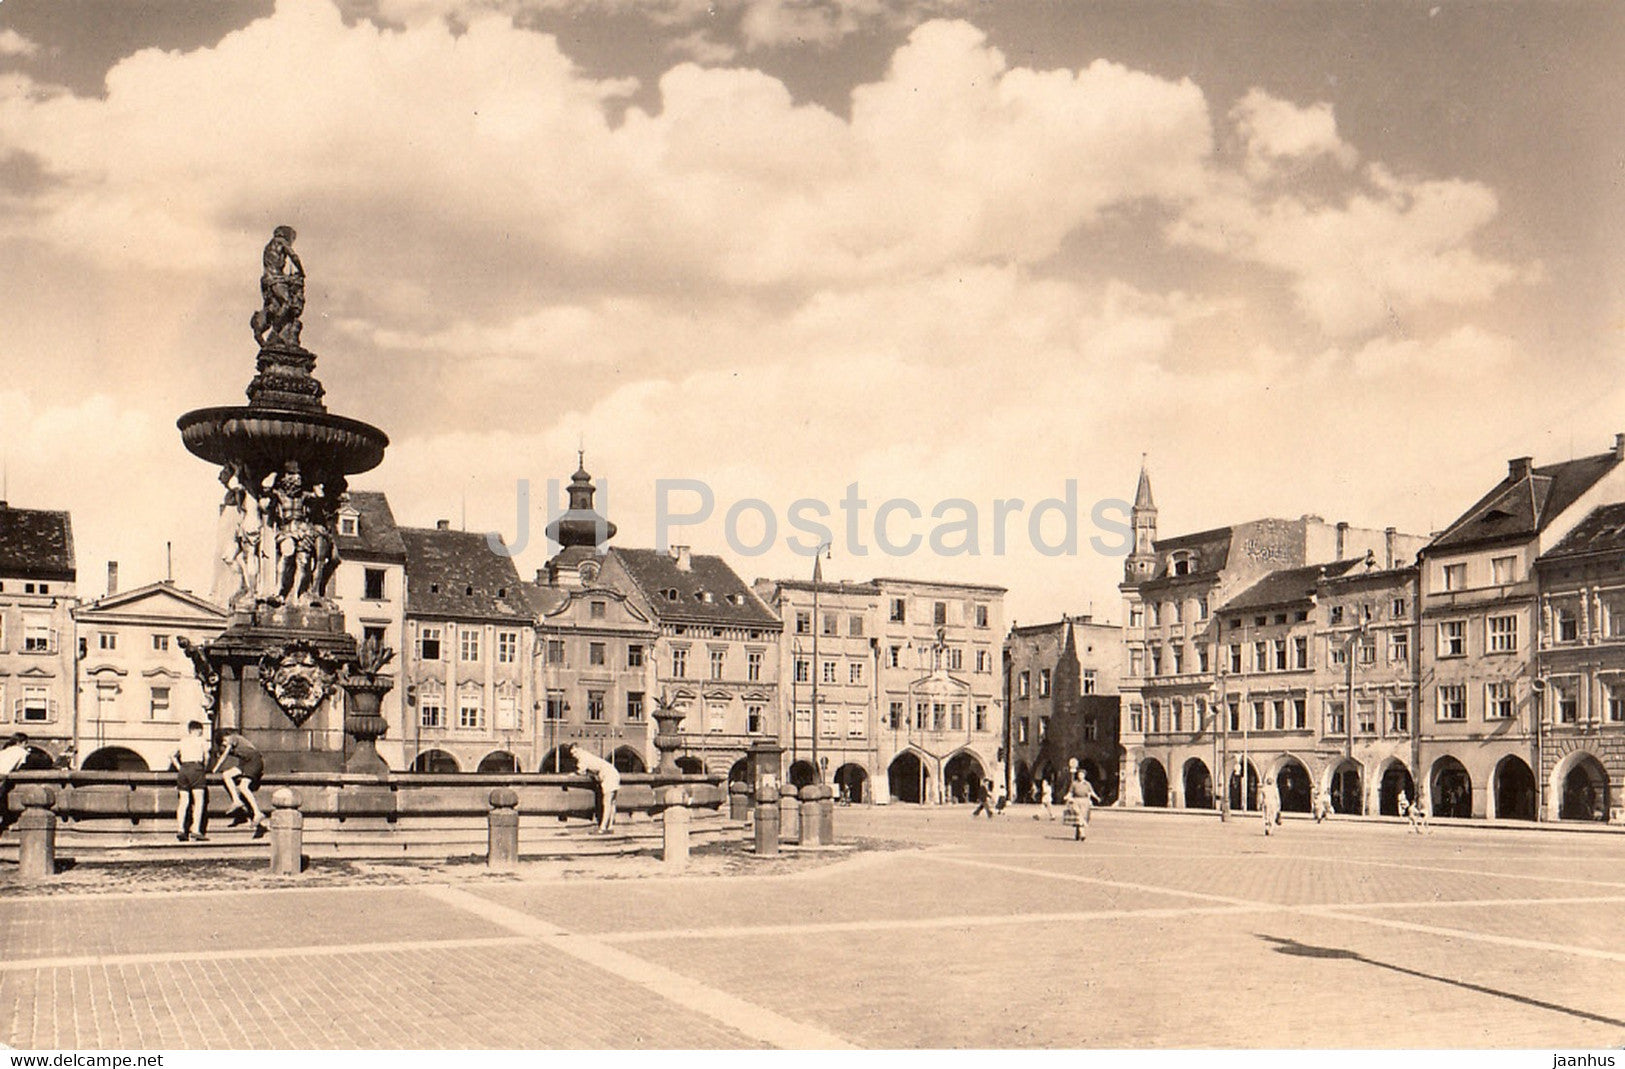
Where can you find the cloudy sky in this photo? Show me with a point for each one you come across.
(1332, 258)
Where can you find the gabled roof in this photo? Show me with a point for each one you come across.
(708, 592)
(1522, 504)
(376, 538)
(36, 544)
(1210, 550)
(128, 600)
(1602, 531)
(1289, 586)
(456, 574)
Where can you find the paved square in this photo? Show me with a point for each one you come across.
(1161, 931)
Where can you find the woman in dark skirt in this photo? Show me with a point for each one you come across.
(1080, 801)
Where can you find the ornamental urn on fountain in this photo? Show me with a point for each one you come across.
(275, 673)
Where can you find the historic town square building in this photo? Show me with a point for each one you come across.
(1063, 679)
(37, 663)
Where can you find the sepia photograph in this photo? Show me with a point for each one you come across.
(812, 525)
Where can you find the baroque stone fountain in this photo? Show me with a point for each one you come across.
(282, 669)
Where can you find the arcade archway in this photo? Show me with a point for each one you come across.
(115, 759)
(627, 759)
(852, 784)
(907, 778)
(691, 766)
(962, 776)
(1396, 780)
(1584, 790)
(498, 761)
(1198, 785)
(1452, 789)
(1514, 789)
(803, 774)
(436, 761)
(558, 761)
(1348, 788)
(1153, 784)
(1244, 796)
(1295, 786)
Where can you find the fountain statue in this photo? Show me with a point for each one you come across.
(281, 671)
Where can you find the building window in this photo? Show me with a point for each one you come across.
(1156, 717)
(803, 721)
(753, 666)
(1503, 634)
(1021, 730)
(1201, 607)
(1280, 654)
(1179, 610)
(1235, 658)
(1336, 719)
(598, 653)
(634, 656)
(1235, 714)
(372, 584)
(1136, 662)
(1568, 624)
(980, 722)
(597, 610)
(1136, 719)
(1300, 713)
(1366, 649)
(1044, 678)
(508, 713)
(981, 615)
(754, 722)
(1399, 715)
(1259, 712)
(1568, 702)
(1336, 615)
(555, 705)
(1455, 576)
(854, 672)
(1153, 612)
(1261, 656)
(894, 716)
(1043, 728)
(716, 718)
(803, 623)
(1616, 703)
(1176, 715)
(1024, 684)
(1453, 702)
(470, 713)
(1278, 712)
(595, 707)
(854, 626)
(1396, 608)
(803, 670)
(718, 658)
(1156, 660)
(429, 644)
(1365, 716)
(679, 664)
(468, 644)
(1300, 652)
(160, 643)
(1399, 646)
(832, 625)
(555, 651)
(1179, 658)
(1453, 638)
(347, 525)
(829, 671)
(158, 704)
(507, 647)
(634, 707)
(854, 724)
(1136, 616)
(899, 610)
(939, 613)
(1089, 681)
(895, 656)
(107, 641)
(1503, 570)
(1498, 700)
(430, 712)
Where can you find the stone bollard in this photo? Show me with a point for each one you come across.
(674, 826)
(36, 833)
(811, 795)
(789, 815)
(502, 834)
(738, 801)
(767, 821)
(826, 817)
(287, 833)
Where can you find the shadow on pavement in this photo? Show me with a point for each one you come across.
(1306, 950)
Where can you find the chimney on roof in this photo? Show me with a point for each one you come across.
(1342, 538)
(685, 562)
(442, 525)
(112, 577)
(1390, 536)
(1520, 467)
(1619, 451)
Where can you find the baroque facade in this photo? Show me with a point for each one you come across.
(37, 596)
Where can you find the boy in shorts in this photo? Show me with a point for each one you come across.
(243, 768)
(188, 761)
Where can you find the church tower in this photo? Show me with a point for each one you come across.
(580, 533)
(1142, 559)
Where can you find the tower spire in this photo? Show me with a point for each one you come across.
(1141, 563)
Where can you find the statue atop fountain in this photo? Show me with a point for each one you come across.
(284, 462)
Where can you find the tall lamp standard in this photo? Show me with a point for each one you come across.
(1355, 638)
(818, 625)
(1221, 711)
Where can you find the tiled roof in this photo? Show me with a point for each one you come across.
(1520, 507)
(36, 544)
(1603, 530)
(456, 574)
(1287, 586)
(1211, 549)
(376, 537)
(709, 592)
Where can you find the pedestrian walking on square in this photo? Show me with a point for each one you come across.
(1046, 794)
(241, 767)
(1323, 802)
(1270, 804)
(188, 760)
(1001, 798)
(985, 804)
(1080, 802)
(609, 782)
(1419, 813)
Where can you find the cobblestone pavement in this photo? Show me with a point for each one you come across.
(1160, 931)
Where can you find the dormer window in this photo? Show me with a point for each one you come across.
(434, 588)
(671, 593)
(1182, 563)
(349, 524)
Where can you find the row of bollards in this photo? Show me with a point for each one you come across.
(805, 817)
